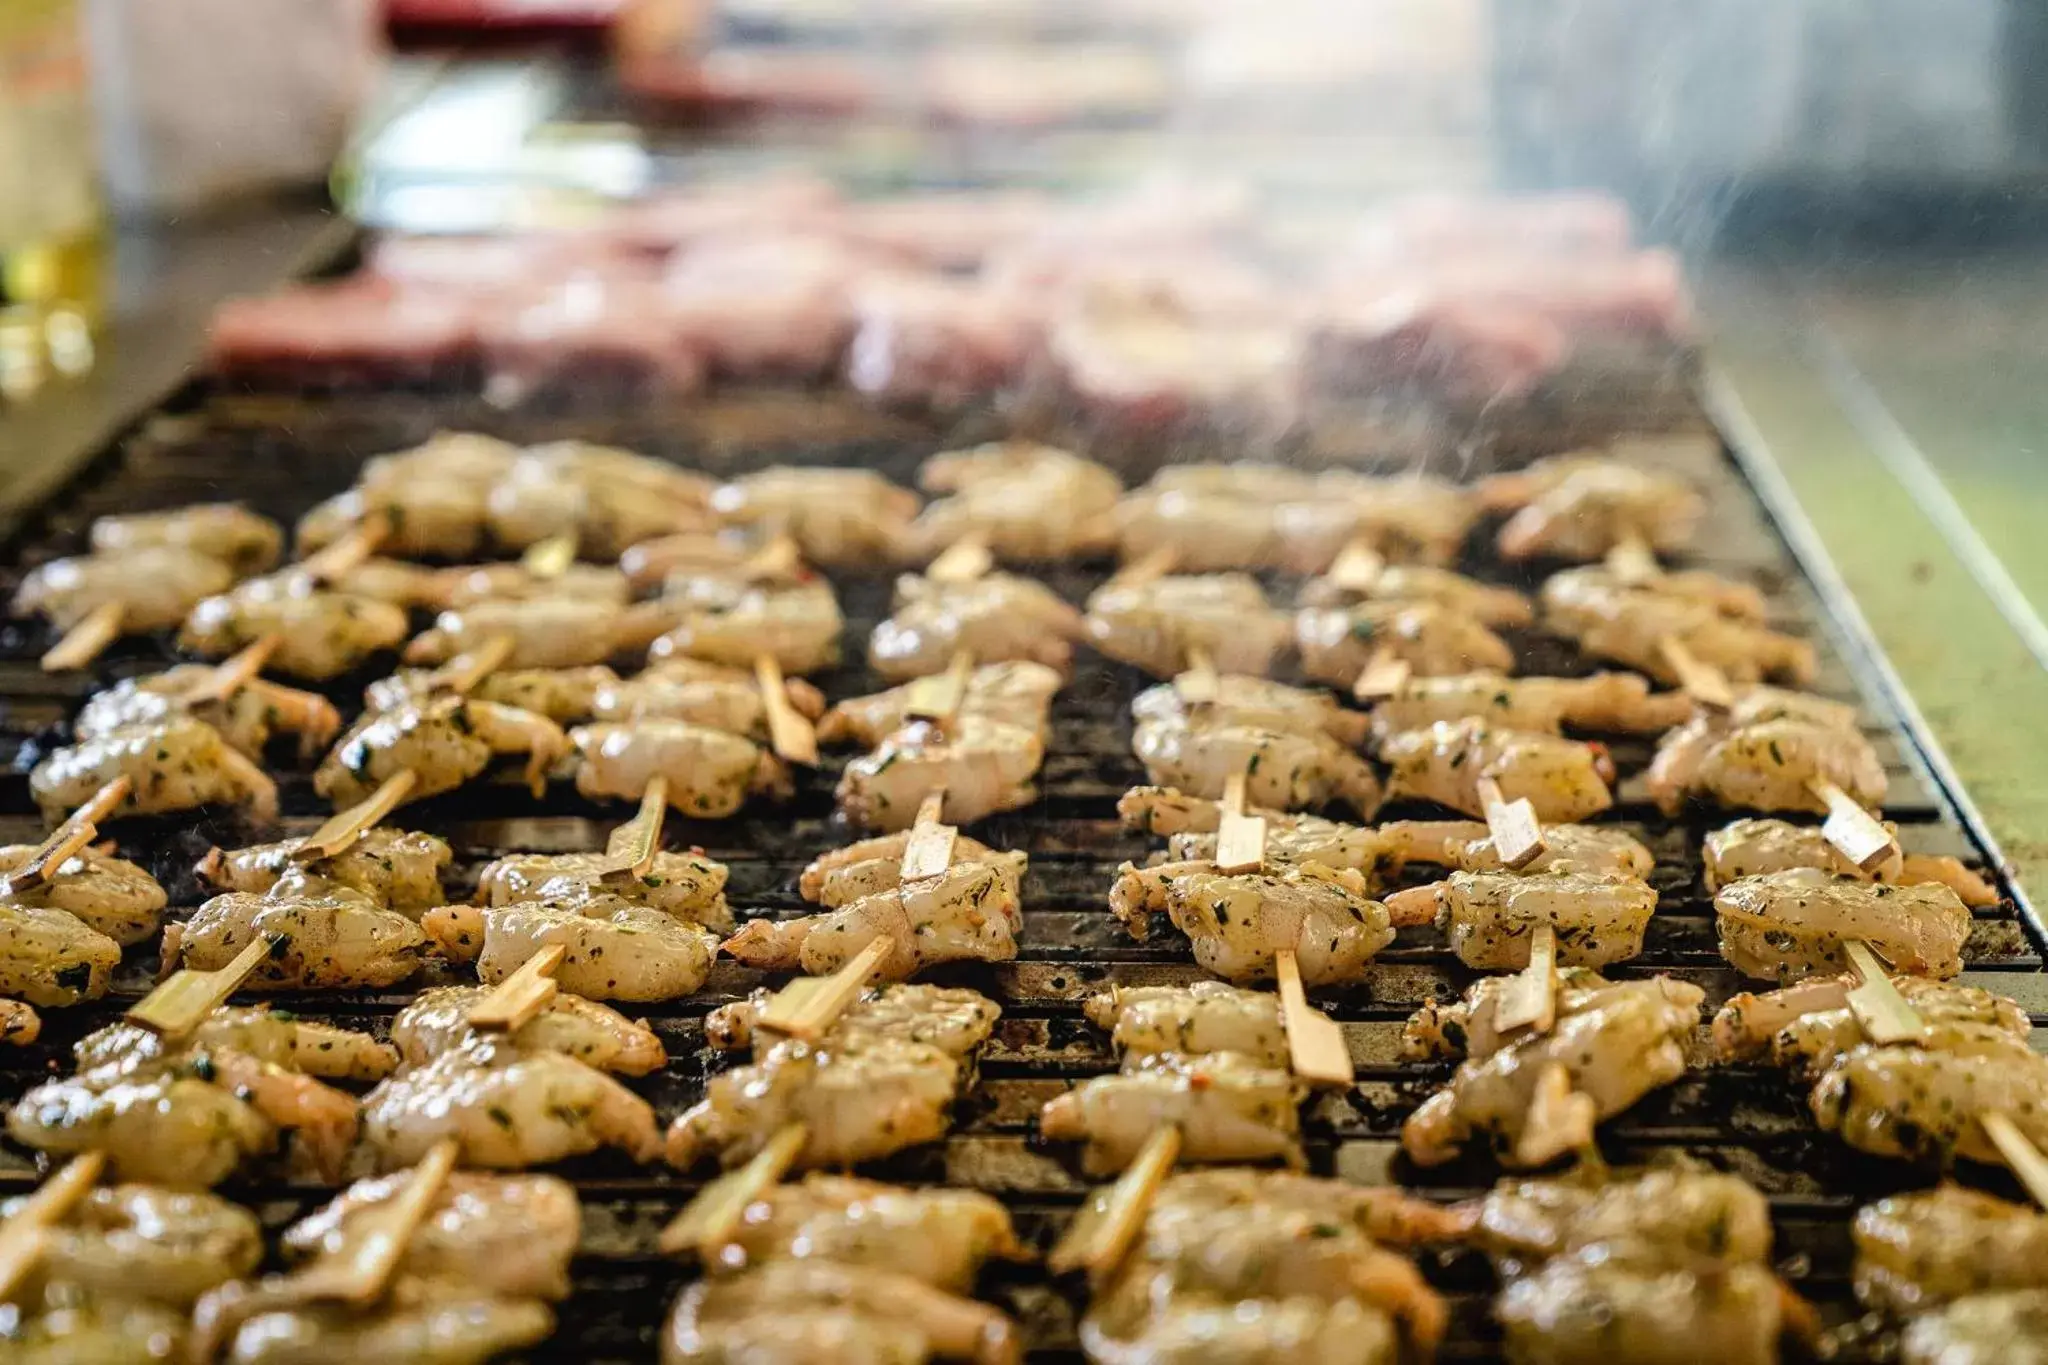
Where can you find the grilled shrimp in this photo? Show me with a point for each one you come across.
(1336, 643)
(246, 719)
(325, 633)
(711, 695)
(968, 913)
(997, 617)
(340, 941)
(869, 866)
(710, 772)
(1285, 770)
(177, 765)
(985, 766)
(1564, 779)
(1238, 921)
(111, 895)
(397, 868)
(617, 949)
(445, 741)
(437, 1021)
(1227, 1107)
(155, 585)
(684, 886)
(227, 531)
(546, 632)
(507, 1107)
(51, 957)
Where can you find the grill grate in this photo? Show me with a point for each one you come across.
(281, 454)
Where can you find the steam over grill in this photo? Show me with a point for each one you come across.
(281, 454)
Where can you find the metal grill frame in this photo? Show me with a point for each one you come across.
(283, 452)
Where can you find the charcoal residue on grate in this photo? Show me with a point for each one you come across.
(282, 454)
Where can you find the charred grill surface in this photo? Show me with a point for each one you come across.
(282, 454)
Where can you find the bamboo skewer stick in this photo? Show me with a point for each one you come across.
(550, 558)
(1704, 684)
(518, 1000)
(1384, 675)
(461, 674)
(1855, 833)
(25, 1236)
(1633, 561)
(1517, 834)
(87, 640)
(1315, 1045)
(236, 672)
(2022, 1157)
(708, 1222)
(929, 850)
(791, 736)
(357, 1274)
(1098, 1244)
(1199, 685)
(1154, 564)
(181, 1004)
(809, 1011)
(630, 850)
(1529, 998)
(77, 831)
(938, 697)
(1240, 838)
(965, 560)
(1884, 1015)
(336, 558)
(1357, 567)
(343, 828)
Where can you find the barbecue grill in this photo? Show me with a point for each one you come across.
(282, 453)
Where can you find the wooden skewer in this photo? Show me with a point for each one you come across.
(963, 561)
(343, 828)
(2022, 1157)
(1703, 683)
(1240, 838)
(462, 674)
(938, 697)
(807, 1013)
(67, 839)
(1855, 833)
(708, 1222)
(780, 558)
(1884, 1014)
(791, 735)
(1199, 685)
(181, 1004)
(1633, 561)
(1560, 1119)
(1154, 564)
(1099, 1244)
(1517, 834)
(359, 1273)
(1357, 567)
(518, 1000)
(1315, 1045)
(929, 850)
(233, 674)
(1887, 1017)
(1529, 998)
(87, 640)
(631, 849)
(550, 558)
(25, 1235)
(336, 558)
(1384, 675)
